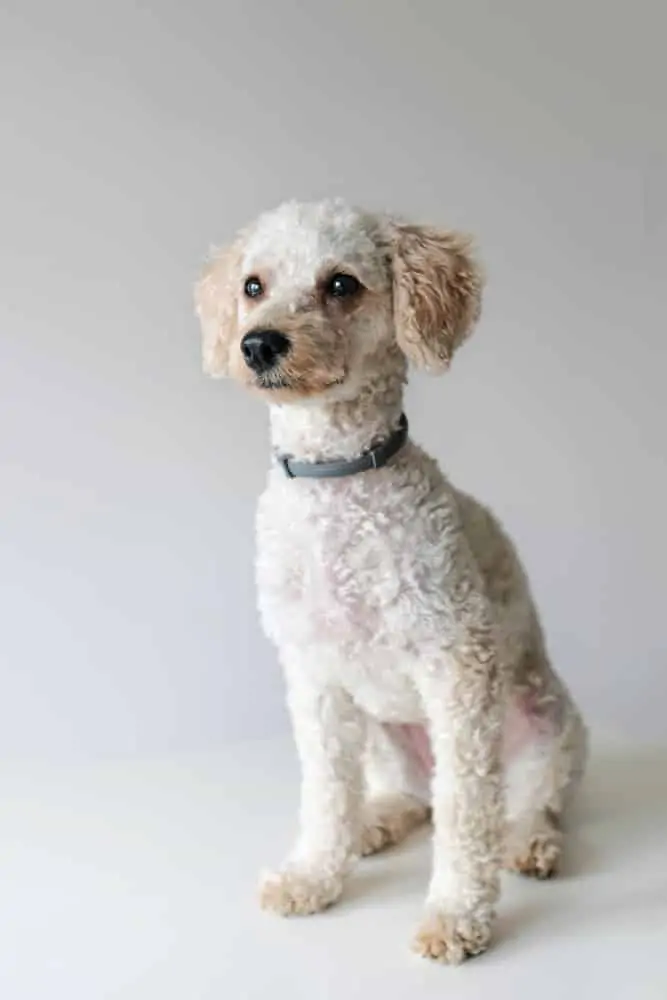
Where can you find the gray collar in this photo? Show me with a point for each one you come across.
(373, 459)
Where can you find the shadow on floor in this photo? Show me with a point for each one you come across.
(618, 824)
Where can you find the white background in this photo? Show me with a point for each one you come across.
(133, 136)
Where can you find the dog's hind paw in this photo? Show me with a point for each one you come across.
(536, 853)
(540, 859)
(295, 893)
(388, 820)
(451, 939)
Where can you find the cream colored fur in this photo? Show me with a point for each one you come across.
(393, 599)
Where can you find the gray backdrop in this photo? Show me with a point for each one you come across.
(133, 136)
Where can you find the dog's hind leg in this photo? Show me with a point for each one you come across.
(396, 775)
(543, 771)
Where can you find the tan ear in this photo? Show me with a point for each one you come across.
(216, 304)
(437, 293)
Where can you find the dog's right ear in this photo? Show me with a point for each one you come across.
(437, 293)
(216, 306)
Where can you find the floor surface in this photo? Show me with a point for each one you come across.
(136, 879)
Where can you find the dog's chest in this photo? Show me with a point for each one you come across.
(325, 565)
(342, 563)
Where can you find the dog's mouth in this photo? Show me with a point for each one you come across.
(302, 386)
(272, 382)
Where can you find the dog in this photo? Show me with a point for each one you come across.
(418, 680)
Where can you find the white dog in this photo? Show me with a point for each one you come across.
(397, 604)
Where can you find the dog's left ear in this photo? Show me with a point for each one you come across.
(215, 304)
(437, 293)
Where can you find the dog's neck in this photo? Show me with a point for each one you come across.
(340, 429)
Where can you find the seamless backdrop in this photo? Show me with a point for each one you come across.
(136, 134)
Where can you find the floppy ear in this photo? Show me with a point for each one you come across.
(216, 305)
(437, 293)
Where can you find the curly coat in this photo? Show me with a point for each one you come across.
(417, 675)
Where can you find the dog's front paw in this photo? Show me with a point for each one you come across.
(296, 893)
(451, 939)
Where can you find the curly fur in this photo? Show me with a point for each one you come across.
(397, 604)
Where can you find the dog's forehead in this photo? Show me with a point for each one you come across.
(296, 240)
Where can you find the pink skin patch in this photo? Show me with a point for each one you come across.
(415, 742)
(522, 726)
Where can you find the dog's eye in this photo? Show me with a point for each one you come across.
(342, 286)
(253, 287)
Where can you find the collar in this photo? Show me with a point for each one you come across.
(375, 458)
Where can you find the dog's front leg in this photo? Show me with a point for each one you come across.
(329, 735)
(461, 696)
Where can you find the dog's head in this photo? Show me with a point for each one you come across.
(314, 300)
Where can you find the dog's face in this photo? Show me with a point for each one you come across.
(313, 300)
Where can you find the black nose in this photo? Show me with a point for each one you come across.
(261, 349)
